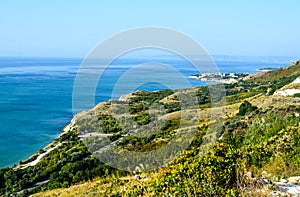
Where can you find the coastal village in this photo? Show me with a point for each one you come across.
(227, 78)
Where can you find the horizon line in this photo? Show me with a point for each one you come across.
(150, 56)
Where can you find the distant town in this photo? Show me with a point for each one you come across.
(266, 69)
(219, 77)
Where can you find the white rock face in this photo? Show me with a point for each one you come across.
(288, 92)
(291, 189)
(285, 91)
(297, 81)
(294, 179)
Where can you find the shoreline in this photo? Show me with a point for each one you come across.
(69, 126)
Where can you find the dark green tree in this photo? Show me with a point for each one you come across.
(246, 108)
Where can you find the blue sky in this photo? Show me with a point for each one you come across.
(73, 28)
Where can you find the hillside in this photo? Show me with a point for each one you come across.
(235, 146)
(274, 74)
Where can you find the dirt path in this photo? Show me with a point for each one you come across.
(37, 160)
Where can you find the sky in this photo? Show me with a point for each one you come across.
(68, 28)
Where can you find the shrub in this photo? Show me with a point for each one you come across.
(246, 108)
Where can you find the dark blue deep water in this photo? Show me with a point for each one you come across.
(36, 95)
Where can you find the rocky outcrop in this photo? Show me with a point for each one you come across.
(290, 89)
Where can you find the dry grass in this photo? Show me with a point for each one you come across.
(97, 188)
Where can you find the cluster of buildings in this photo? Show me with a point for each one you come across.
(218, 77)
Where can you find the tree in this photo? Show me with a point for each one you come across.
(246, 108)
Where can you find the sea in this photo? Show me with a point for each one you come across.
(36, 93)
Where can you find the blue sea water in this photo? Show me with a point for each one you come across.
(36, 95)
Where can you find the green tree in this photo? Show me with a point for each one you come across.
(246, 108)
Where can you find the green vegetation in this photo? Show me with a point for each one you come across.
(261, 141)
(244, 146)
(246, 108)
(68, 164)
(297, 95)
(142, 119)
(108, 124)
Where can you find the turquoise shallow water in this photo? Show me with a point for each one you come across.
(36, 95)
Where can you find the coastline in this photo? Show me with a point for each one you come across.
(54, 105)
(49, 147)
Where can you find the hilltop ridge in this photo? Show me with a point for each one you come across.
(269, 75)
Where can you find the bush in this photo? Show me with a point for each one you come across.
(297, 95)
(246, 108)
